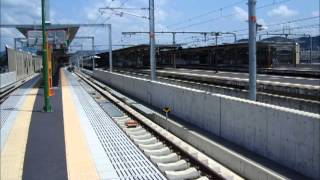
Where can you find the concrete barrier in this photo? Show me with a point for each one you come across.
(288, 137)
(283, 101)
(23, 63)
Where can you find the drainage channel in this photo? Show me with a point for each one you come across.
(173, 162)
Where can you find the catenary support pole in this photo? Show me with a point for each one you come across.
(81, 63)
(215, 53)
(78, 60)
(174, 51)
(152, 41)
(252, 49)
(110, 48)
(47, 103)
(15, 43)
(92, 43)
(93, 63)
(310, 48)
(94, 54)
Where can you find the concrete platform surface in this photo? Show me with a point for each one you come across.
(78, 140)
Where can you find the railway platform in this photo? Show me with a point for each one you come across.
(78, 140)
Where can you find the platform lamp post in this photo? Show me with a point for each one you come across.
(252, 50)
(47, 104)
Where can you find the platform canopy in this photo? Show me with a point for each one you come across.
(59, 35)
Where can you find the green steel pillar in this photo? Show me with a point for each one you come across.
(47, 103)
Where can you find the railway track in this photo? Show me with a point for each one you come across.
(304, 91)
(6, 91)
(175, 158)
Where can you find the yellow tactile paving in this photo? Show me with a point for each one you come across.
(12, 156)
(79, 160)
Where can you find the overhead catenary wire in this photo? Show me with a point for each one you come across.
(280, 23)
(198, 39)
(283, 22)
(309, 26)
(112, 14)
(119, 10)
(100, 16)
(207, 13)
(228, 15)
(142, 40)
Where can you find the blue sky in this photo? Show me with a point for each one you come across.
(175, 15)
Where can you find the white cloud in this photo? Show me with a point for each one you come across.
(125, 22)
(20, 11)
(7, 36)
(15, 3)
(283, 11)
(315, 13)
(160, 15)
(28, 12)
(263, 23)
(17, 12)
(242, 14)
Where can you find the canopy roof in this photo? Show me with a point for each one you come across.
(70, 29)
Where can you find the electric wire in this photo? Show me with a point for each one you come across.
(228, 15)
(206, 13)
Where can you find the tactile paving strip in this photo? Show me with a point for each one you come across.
(128, 161)
(10, 108)
(14, 100)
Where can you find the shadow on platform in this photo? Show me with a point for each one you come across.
(45, 156)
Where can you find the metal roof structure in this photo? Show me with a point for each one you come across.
(70, 29)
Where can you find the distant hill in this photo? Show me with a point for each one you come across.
(242, 40)
(277, 39)
(303, 41)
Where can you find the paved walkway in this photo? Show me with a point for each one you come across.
(13, 152)
(76, 144)
(45, 156)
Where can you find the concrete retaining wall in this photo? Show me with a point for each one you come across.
(37, 60)
(23, 63)
(289, 137)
